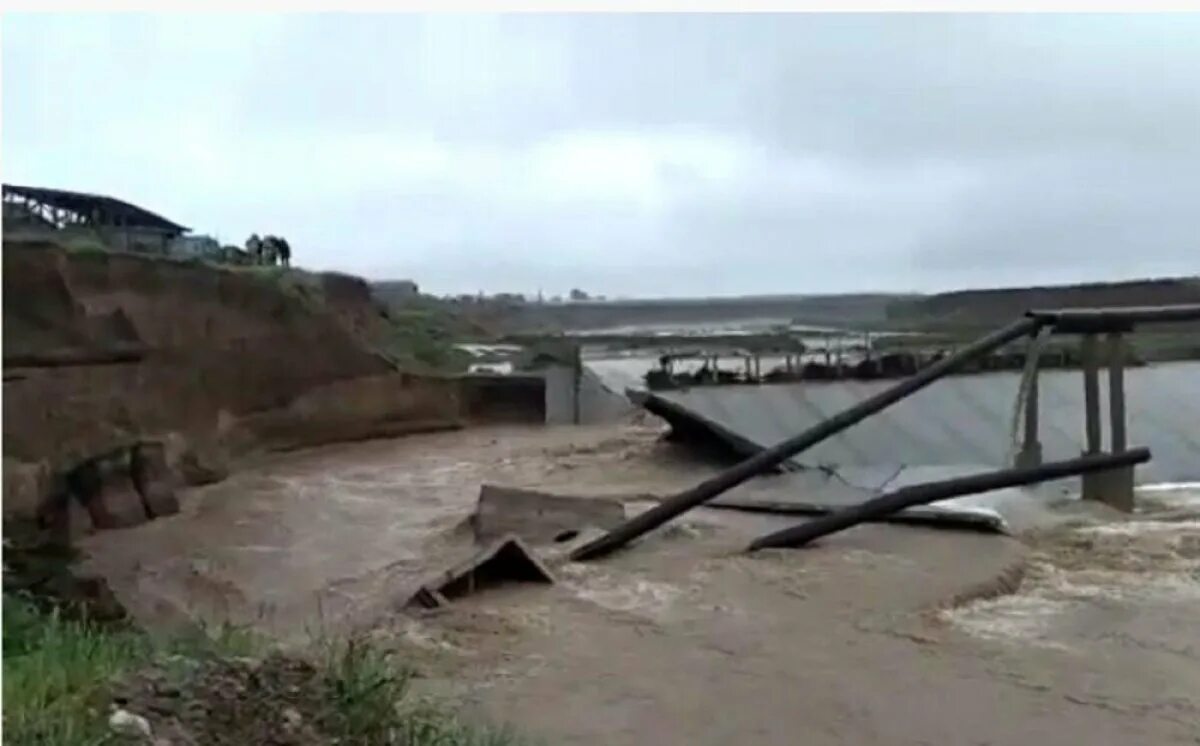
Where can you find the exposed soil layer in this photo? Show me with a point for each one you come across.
(228, 360)
(216, 340)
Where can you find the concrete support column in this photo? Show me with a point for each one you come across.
(1090, 358)
(1116, 391)
(561, 396)
(576, 383)
(1114, 487)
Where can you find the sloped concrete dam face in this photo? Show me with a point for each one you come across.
(955, 421)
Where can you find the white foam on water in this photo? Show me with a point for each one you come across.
(1151, 570)
(1171, 487)
(423, 636)
(1173, 494)
(1119, 585)
(1134, 528)
(1034, 615)
(627, 595)
(640, 595)
(1021, 618)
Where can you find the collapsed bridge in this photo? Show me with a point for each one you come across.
(1108, 477)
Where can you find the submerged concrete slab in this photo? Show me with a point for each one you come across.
(539, 517)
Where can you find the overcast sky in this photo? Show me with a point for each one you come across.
(635, 155)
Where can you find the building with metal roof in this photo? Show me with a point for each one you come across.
(119, 224)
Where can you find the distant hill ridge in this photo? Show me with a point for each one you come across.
(999, 304)
(969, 307)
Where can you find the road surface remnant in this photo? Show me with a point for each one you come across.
(540, 517)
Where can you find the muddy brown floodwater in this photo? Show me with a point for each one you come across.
(879, 635)
(325, 538)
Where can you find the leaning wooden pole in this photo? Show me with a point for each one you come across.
(777, 454)
(922, 494)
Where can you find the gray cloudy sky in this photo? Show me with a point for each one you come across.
(636, 155)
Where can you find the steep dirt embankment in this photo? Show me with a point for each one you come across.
(102, 350)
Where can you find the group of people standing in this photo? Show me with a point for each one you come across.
(269, 250)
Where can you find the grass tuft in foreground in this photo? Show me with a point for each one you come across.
(372, 704)
(62, 674)
(55, 669)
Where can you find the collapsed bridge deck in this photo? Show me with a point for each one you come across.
(961, 421)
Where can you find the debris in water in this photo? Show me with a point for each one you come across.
(505, 560)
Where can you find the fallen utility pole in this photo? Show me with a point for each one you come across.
(922, 494)
(777, 454)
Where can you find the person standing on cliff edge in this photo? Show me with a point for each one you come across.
(254, 248)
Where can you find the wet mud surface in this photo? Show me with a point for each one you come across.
(1080, 633)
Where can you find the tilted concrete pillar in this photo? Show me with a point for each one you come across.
(1031, 447)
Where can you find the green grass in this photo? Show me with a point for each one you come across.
(54, 670)
(57, 667)
(422, 340)
(57, 673)
(415, 336)
(372, 703)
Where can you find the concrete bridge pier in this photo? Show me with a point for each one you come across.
(1113, 487)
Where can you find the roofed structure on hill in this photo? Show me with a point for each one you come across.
(119, 223)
